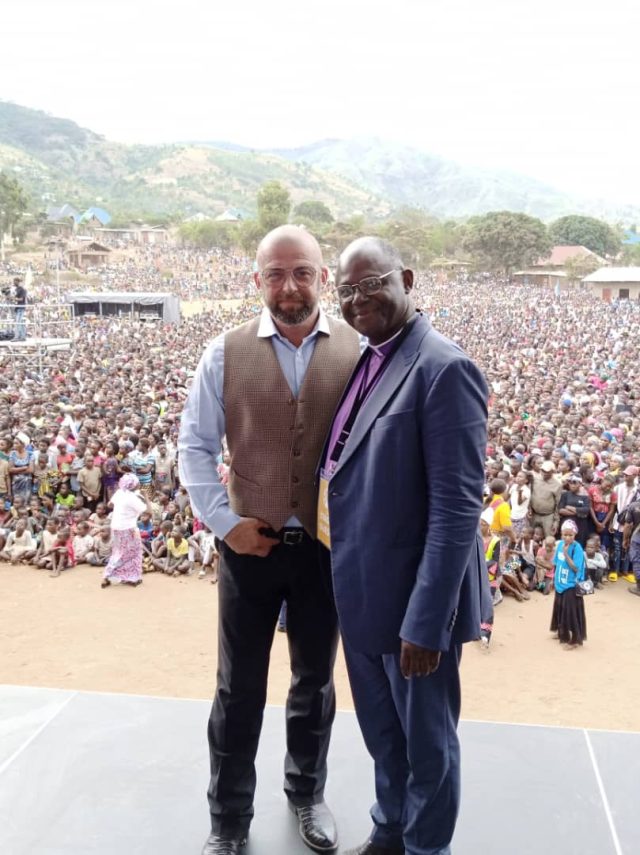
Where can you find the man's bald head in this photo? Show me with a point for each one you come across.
(375, 287)
(293, 236)
(374, 248)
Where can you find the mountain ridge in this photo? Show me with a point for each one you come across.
(60, 161)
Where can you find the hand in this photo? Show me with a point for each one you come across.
(247, 539)
(554, 528)
(417, 661)
(571, 512)
(599, 527)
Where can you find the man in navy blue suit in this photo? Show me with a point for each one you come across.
(401, 494)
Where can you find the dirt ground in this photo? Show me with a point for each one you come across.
(159, 639)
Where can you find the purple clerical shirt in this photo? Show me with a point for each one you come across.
(371, 365)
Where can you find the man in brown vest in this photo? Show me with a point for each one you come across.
(271, 387)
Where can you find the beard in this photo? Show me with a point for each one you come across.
(291, 318)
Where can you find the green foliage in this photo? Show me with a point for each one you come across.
(209, 233)
(580, 266)
(575, 230)
(251, 233)
(13, 204)
(274, 205)
(503, 240)
(312, 211)
(631, 255)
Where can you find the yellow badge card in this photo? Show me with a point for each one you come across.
(324, 530)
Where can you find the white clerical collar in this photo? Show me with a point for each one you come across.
(379, 349)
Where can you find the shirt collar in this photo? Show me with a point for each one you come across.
(384, 347)
(267, 328)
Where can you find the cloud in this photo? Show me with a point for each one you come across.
(538, 89)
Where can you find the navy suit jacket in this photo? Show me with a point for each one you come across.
(405, 501)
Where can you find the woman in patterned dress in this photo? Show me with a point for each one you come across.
(125, 564)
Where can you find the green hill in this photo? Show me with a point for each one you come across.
(58, 161)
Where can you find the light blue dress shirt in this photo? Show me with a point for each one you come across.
(203, 424)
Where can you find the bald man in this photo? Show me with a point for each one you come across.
(400, 500)
(270, 386)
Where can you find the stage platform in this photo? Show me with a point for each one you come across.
(34, 344)
(126, 775)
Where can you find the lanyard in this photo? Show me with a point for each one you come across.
(365, 387)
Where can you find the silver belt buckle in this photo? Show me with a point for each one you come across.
(293, 538)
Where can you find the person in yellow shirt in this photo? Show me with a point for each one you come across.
(501, 520)
(177, 560)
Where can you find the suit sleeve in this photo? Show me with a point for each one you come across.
(454, 436)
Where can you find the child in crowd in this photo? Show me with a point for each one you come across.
(526, 549)
(82, 543)
(99, 518)
(20, 544)
(145, 527)
(5, 482)
(596, 562)
(157, 551)
(60, 556)
(202, 549)
(64, 496)
(545, 567)
(101, 549)
(176, 561)
(491, 547)
(46, 544)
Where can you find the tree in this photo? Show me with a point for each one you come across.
(580, 266)
(209, 233)
(631, 255)
(250, 235)
(274, 204)
(314, 211)
(13, 204)
(576, 230)
(503, 240)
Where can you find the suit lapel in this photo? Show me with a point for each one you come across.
(385, 389)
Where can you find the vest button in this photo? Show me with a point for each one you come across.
(297, 452)
(295, 504)
(295, 479)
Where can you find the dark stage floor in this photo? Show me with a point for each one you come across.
(126, 775)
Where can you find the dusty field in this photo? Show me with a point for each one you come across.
(159, 639)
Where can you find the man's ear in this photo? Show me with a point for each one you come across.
(407, 278)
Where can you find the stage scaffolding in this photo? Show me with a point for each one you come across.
(49, 327)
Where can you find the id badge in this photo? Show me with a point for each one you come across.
(322, 525)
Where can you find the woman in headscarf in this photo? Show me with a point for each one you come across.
(125, 564)
(568, 618)
(21, 468)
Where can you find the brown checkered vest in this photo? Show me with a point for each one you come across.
(274, 439)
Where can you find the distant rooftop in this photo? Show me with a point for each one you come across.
(614, 274)
(561, 254)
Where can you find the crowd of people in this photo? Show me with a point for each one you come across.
(564, 424)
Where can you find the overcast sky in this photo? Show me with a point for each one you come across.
(549, 89)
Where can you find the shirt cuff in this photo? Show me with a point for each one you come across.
(223, 521)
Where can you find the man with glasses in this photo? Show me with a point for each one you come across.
(271, 386)
(400, 499)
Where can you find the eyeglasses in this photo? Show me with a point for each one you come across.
(368, 286)
(275, 277)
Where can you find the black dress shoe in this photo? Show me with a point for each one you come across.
(370, 848)
(223, 844)
(317, 827)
